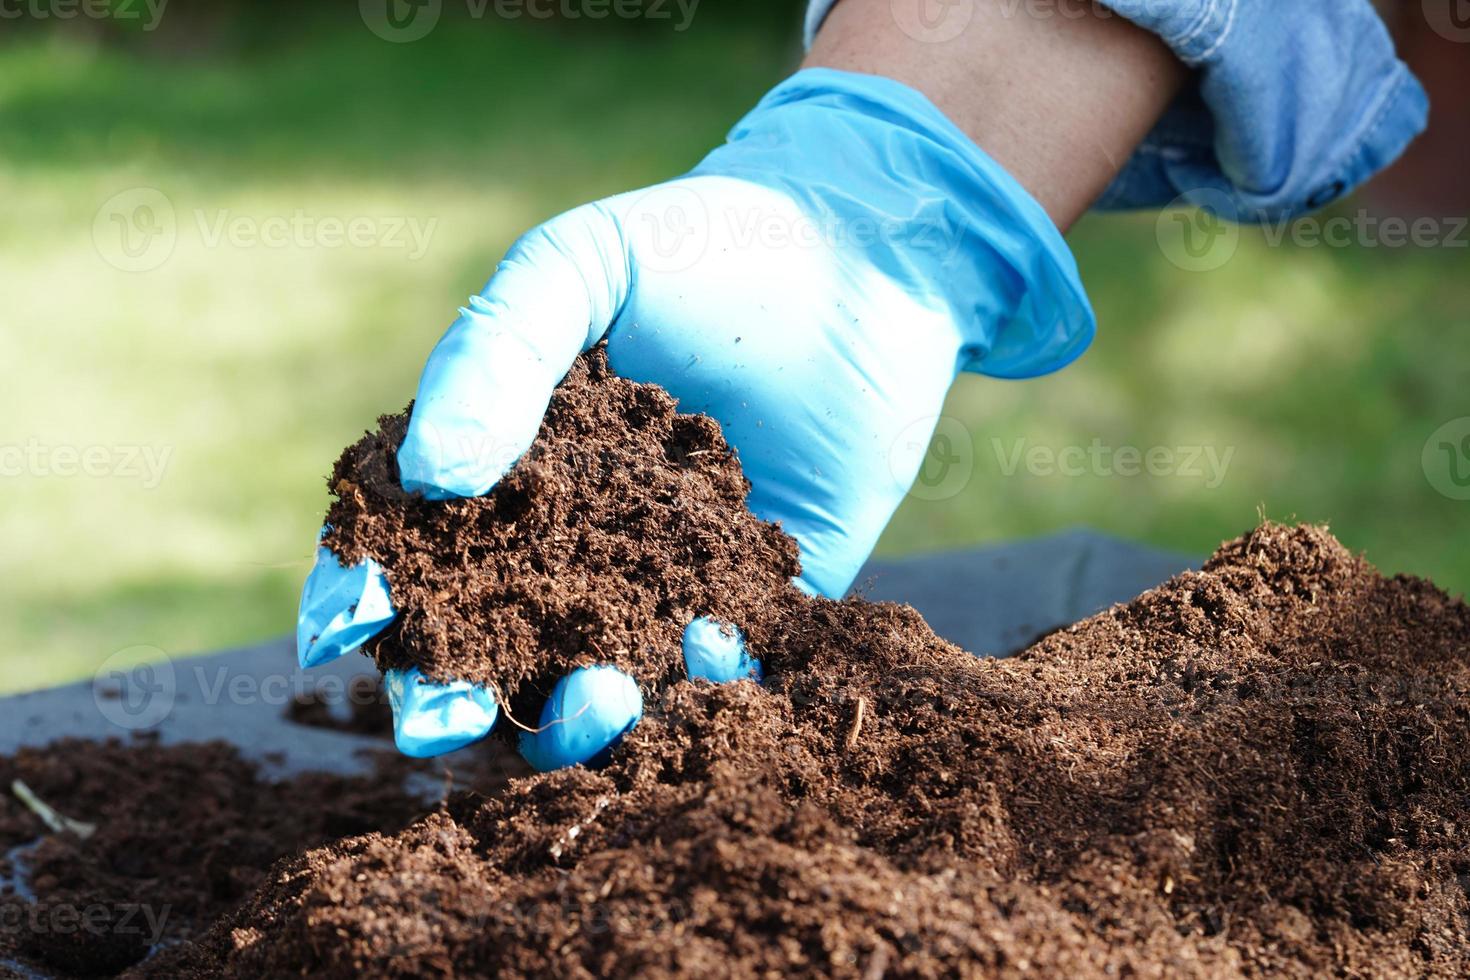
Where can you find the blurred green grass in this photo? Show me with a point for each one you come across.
(1325, 370)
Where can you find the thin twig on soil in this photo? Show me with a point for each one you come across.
(57, 822)
(505, 710)
(877, 966)
(857, 723)
(575, 830)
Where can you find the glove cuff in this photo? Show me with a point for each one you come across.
(945, 220)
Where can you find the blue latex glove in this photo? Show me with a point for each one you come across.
(815, 285)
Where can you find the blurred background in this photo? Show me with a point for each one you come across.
(235, 229)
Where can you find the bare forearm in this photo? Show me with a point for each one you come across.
(1058, 95)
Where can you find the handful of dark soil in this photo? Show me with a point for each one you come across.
(625, 521)
(1256, 768)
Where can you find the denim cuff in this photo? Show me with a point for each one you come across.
(1293, 103)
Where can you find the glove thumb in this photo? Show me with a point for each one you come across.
(488, 381)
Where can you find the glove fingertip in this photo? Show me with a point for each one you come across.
(341, 608)
(480, 402)
(431, 719)
(429, 467)
(715, 651)
(588, 713)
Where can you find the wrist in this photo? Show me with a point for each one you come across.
(1059, 101)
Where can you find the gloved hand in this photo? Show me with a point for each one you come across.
(814, 285)
(587, 712)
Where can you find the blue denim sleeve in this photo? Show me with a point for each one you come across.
(1293, 103)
